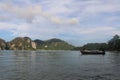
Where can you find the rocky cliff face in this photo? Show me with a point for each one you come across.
(2, 44)
(21, 43)
(26, 43)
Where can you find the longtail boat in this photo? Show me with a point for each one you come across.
(92, 52)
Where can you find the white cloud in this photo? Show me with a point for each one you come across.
(49, 18)
(91, 8)
(4, 18)
(57, 6)
(30, 12)
(6, 26)
(27, 12)
(69, 33)
(97, 29)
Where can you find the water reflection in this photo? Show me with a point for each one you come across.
(58, 65)
(114, 59)
(22, 53)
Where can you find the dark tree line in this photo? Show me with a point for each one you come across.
(114, 43)
(95, 46)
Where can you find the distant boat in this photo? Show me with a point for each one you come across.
(92, 52)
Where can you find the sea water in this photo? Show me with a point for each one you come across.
(58, 65)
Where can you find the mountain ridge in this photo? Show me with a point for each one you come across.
(26, 43)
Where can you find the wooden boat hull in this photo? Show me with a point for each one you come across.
(93, 52)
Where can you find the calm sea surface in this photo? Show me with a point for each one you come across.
(58, 65)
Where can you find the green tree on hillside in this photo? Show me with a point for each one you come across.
(114, 43)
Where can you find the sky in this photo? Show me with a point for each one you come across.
(76, 21)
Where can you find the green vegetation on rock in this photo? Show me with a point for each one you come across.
(21, 43)
(112, 45)
(95, 46)
(53, 44)
(26, 43)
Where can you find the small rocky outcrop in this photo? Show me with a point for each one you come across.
(21, 43)
(2, 44)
